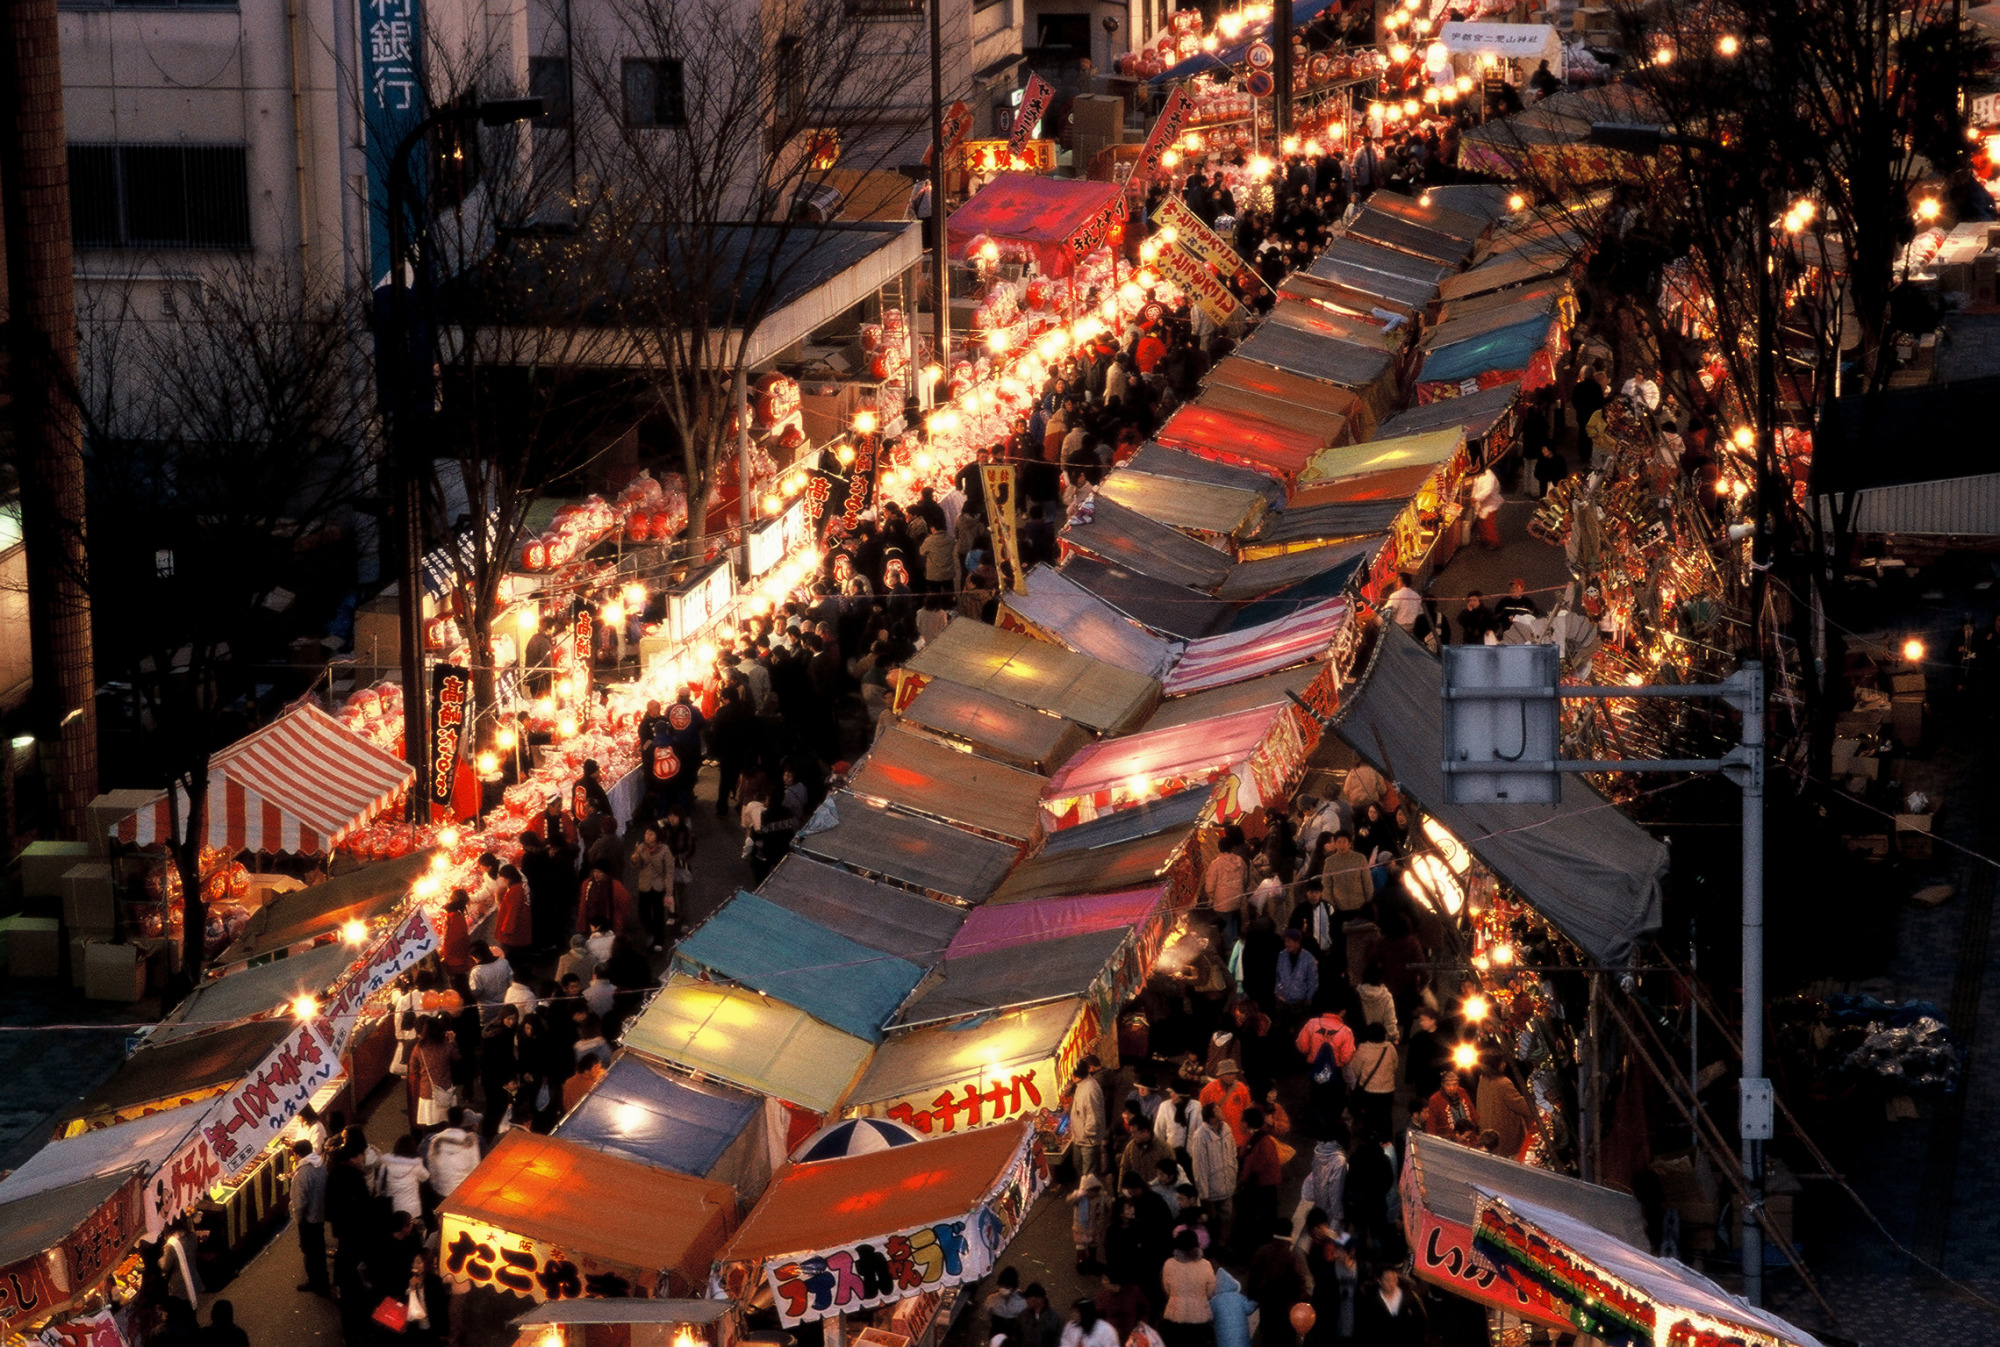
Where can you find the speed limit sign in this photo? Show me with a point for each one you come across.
(1261, 56)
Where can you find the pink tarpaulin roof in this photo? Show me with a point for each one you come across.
(1057, 221)
(991, 928)
(1202, 748)
(1215, 660)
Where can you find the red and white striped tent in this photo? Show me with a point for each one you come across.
(1233, 656)
(299, 784)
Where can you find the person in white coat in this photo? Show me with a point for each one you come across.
(451, 1154)
(1089, 1128)
(403, 1176)
(1212, 1148)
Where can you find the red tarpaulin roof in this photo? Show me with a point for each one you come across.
(1057, 221)
(991, 928)
(1232, 656)
(1205, 747)
(1240, 437)
(299, 784)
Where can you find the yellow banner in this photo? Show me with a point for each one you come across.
(1003, 523)
(1203, 286)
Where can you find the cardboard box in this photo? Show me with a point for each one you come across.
(1906, 683)
(107, 811)
(1872, 845)
(1906, 721)
(89, 899)
(114, 972)
(1845, 751)
(34, 946)
(79, 957)
(44, 864)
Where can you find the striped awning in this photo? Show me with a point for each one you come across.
(1233, 656)
(299, 784)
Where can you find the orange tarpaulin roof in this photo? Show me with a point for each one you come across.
(834, 1202)
(1242, 437)
(1293, 390)
(612, 1209)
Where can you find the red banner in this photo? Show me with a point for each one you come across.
(451, 690)
(1034, 104)
(1173, 120)
(36, 1287)
(957, 126)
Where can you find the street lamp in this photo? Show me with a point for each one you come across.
(392, 358)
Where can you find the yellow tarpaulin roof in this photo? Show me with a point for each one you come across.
(1359, 460)
(1035, 673)
(749, 1040)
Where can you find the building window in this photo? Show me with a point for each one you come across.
(548, 80)
(885, 9)
(654, 94)
(789, 79)
(159, 196)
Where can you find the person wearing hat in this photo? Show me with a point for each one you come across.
(1231, 1097)
(1089, 1218)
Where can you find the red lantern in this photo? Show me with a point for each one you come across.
(535, 557)
(639, 527)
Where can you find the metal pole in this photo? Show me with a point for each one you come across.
(740, 396)
(1754, 1105)
(1281, 71)
(940, 275)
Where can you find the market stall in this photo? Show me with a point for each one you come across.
(1280, 572)
(1062, 612)
(1090, 692)
(1053, 222)
(996, 728)
(1467, 219)
(904, 849)
(1105, 529)
(920, 775)
(68, 1247)
(954, 1078)
(780, 954)
(297, 786)
(1486, 419)
(1313, 408)
(1156, 460)
(751, 1041)
(155, 1079)
(880, 916)
(302, 917)
(1318, 516)
(631, 1323)
(828, 1240)
(671, 1120)
(1104, 967)
(1584, 865)
(548, 1219)
(1220, 514)
(1370, 371)
(1479, 314)
(1391, 230)
(1233, 657)
(996, 928)
(1377, 275)
(1274, 439)
(1172, 611)
(1357, 293)
(1129, 849)
(1250, 757)
(256, 993)
(1523, 352)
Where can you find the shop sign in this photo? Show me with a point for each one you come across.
(987, 157)
(957, 126)
(1166, 131)
(877, 1271)
(997, 480)
(471, 1253)
(451, 691)
(1195, 236)
(1035, 102)
(1443, 1255)
(982, 1099)
(88, 1330)
(1191, 274)
(1104, 229)
(36, 1287)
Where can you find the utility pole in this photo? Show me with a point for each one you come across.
(41, 289)
(1281, 75)
(940, 264)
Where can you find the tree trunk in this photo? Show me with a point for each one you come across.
(34, 203)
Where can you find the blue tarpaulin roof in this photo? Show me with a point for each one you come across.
(802, 963)
(1508, 348)
(660, 1117)
(1303, 13)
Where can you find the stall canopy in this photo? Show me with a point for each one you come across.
(1158, 461)
(1507, 348)
(1369, 371)
(1375, 260)
(1056, 221)
(1308, 522)
(1197, 507)
(40, 1235)
(1128, 538)
(1034, 673)
(1171, 610)
(1408, 236)
(997, 928)
(1614, 1291)
(1129, 849)
(1428, 450)
(322, 909)
(1503, 308)
(1227, 699)
(1583, 864)
(599, 1208)
(880, 916)
(1474, 414)
(1058, 609)
(1246, 385)
(665, 1118)
(760, 1044)
(185, 1067)
(904, 849)
(1366, 330)
(1356, 265)
(921, 775)
(1513, 267)
(1355, 298)
(1174, 756)
(264, 990)
(832, 1204)
(298, 785)
(1430, 212)
(776, 951)
(1219, 660)
(916, 1063)
(1020, 975)
(1002, 730)
(147, 1142)
(1265, 439)
(1268, 575)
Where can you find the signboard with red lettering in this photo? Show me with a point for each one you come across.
(1203, 286)
(1035, 102)
(1166, 131)
(983, 1098)
(86, 1330)
(472, 1253)
(451, 702)
(1196, 237)
(912, 1261)
(36, 1287)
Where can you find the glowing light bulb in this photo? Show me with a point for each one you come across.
(1411, 107)
(845, 454)
(1743, 437)
(1663, 56)
(1464, 1057)
(1929, 209)
(565, 687)
(634, 595)
(613, 611)
(487, 763)
(1290, 145)
(1517, 202)
(1913, 650)
(1477, 1007)
(1170, 158)
(1728, 44)
(1399, 52)
(933, 372)
(354, 932)
(1463, 84)
(1503, 954)
(864, 422)
(1169, 236)
(996, 340)
(306, 1007)
(447, 837)
(504, 738)
(566, 726)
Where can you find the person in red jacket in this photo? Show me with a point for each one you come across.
(514, 920)
(1450, 1107)
(603, 901)
(455, 946)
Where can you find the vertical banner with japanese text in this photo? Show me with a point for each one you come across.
(1173, 120)
(957, 126)
(1035, 102)
(1004, 523)
(392, 103)
(1203, 286)
(451, 703)
(1195, 236)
